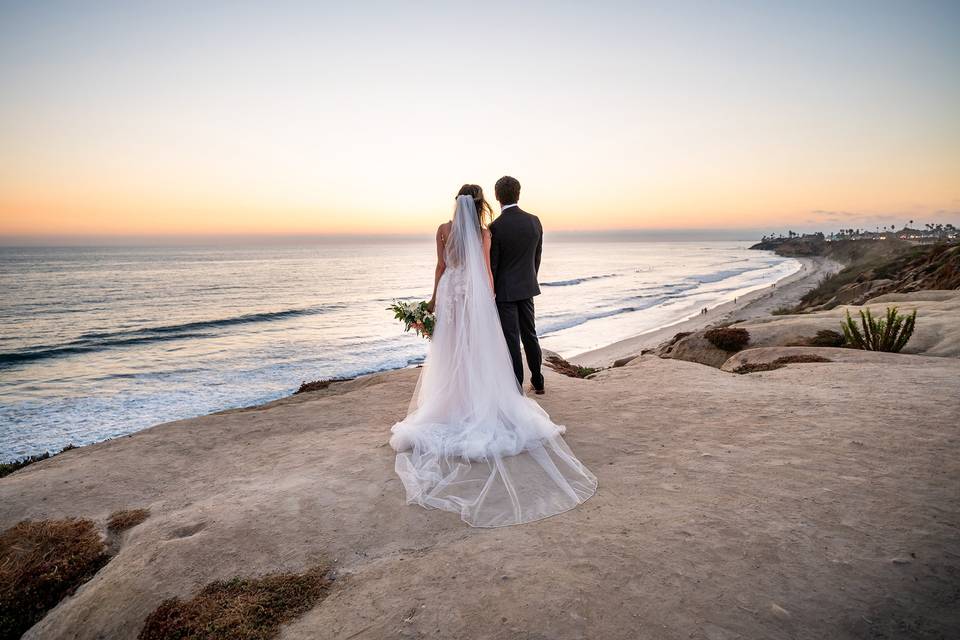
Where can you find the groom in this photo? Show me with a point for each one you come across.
(516, 244)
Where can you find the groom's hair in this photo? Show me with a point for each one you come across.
(507, 190)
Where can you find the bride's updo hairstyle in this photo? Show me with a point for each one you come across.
(484, 212)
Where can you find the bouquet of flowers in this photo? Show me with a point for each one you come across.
(414, 315)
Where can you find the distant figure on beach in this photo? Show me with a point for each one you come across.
(472, 442)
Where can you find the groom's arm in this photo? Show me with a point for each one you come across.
(539, 246)
(494, 253)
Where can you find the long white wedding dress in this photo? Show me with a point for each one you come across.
(472, 443)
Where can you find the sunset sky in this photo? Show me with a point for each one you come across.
(136, 118)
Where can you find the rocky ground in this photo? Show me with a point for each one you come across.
(936, 331)
(811, 501)
(873, 268)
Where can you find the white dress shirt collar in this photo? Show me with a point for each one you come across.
(505, 207)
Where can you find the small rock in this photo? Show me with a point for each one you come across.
(779, 611)
(622, 362)
(900, 561)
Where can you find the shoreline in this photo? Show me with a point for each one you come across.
(759, 303)
(754, 304)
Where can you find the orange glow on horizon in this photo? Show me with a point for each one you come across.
(721, 203)
(336, 119)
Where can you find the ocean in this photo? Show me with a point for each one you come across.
(101, 342)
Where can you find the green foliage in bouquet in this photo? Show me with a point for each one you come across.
(879, 334)
(416, 316)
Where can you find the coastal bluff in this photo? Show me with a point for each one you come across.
(814, 500)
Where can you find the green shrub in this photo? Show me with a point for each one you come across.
(318, 385)
(728, 338)
(6, 468)
(560, 365)
(890, 333)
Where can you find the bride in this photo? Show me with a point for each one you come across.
(472, 443)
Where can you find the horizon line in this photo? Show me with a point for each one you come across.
(154, 239)
(26, 240)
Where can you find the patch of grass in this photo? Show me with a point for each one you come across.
(783, 311)
(126, 519)
(827, 338)
(238, 609)
(6, 468)
(560, 365)
(779, 363)
(728, 338)
(42, 562)
(317, 385)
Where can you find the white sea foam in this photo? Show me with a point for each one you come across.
(96, 343)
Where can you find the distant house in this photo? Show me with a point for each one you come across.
(932, 233)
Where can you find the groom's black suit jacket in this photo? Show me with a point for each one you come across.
(515, 247)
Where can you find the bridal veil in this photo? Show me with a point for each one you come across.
(472, 443)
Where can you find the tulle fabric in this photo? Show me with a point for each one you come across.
(472, 443)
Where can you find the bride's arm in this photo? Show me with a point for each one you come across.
(441, 267)
(486, 254)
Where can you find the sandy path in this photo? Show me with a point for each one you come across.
(815, 501)
(760, 303)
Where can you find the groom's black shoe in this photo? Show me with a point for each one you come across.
(536, 379)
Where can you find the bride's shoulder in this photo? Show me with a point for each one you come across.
(444, 229)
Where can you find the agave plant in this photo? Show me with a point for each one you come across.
(879, 334)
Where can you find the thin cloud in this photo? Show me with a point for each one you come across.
(869, 220)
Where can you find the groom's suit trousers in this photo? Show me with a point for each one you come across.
(519, 327)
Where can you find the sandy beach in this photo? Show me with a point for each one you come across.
(816, 500)
(756, 304)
